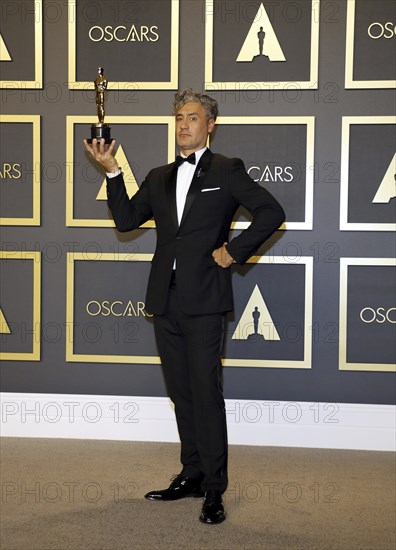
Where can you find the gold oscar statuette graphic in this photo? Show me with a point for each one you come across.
(100, 130)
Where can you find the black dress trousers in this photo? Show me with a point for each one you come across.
(190, 348)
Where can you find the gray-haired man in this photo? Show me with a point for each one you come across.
(193, 201)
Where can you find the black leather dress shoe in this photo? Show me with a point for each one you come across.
(212, 509)
(181, 487)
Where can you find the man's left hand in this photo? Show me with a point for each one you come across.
(221, 257)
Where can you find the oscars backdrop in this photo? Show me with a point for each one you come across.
(306, 97)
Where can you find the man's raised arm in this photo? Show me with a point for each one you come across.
(127, 213)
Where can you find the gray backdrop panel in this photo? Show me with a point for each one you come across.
(325, 244)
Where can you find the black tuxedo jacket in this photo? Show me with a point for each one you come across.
(219, 186)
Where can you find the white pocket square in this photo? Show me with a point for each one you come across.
(210, 189)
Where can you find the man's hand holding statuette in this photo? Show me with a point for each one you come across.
(103, 154)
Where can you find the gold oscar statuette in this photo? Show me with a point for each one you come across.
(100, 130)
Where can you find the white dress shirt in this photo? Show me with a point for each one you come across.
(185, 175)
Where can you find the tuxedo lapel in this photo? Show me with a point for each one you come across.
(197, 181)
(170, 185)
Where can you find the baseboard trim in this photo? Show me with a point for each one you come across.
(250, 422)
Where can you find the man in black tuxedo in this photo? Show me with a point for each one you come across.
(193, 201)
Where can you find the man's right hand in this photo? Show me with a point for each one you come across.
(103, 154)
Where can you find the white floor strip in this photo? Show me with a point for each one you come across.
(250, 422)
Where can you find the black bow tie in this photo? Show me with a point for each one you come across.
(190, 159)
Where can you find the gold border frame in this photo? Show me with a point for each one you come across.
(172, 84)
(151, 359)
(36, 153)
(306, 363)
(311, 84)
(343, 364)
(70, 122)
(347, 121)
(91, 358)
(34, 355)
(309, 121)
(349, 52)
(38, 55)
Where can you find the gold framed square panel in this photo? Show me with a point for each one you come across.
(35, 120)
(309, 122)
(212, 85)
(35, 257)
(37, 83)
(306, 362)
(345, 225)
(73, 257)
(71, 121)
(343, 363)
(349, 55)
(172, 84)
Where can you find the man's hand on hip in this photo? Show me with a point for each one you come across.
(221, 257)
(103, 154)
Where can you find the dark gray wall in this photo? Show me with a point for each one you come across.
(324, 381)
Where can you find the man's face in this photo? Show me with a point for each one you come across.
(192, 127)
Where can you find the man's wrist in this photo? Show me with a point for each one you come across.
(114, 173)
(228, 254)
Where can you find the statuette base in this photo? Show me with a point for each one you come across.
(100, 131)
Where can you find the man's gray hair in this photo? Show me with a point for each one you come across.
(208, 103)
